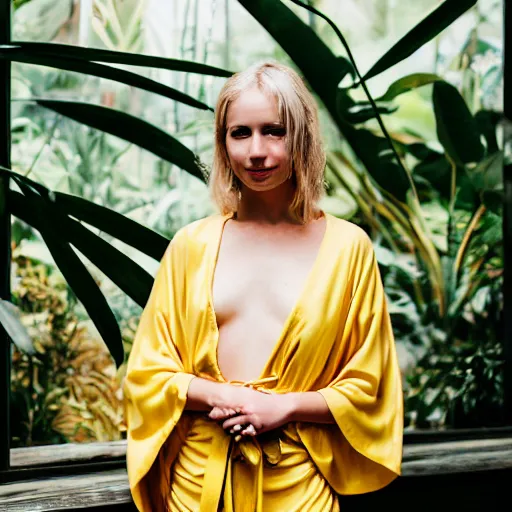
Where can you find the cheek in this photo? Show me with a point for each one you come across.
(235, 152)
(280, 152)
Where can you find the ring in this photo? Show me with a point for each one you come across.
(250, 429)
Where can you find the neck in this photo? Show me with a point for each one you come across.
(271, 206)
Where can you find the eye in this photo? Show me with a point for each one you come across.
(240, 132)
(279, 131)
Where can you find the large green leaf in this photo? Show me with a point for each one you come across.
(128, 231)
(487, 121)
(363, 112)
(109, 221)
(433, 167)
(321, 68)
(488, 174)
(457, 129)
(131, 129)
(118, 267)
(131, 59)
(439, 19)
(407, 83)
(75, 273)
(100, 70)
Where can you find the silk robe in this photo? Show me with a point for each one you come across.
(337, 340)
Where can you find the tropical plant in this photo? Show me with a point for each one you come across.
(64, 386)
(396, 180)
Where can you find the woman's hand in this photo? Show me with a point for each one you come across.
(260, 413)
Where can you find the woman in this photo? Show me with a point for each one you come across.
(264, 376)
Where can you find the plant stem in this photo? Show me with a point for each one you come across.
(467, 237)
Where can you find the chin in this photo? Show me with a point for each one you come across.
(263, 187)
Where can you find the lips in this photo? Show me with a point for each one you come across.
(262, 170)
(260, 174)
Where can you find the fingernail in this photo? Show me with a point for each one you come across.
(238, 437)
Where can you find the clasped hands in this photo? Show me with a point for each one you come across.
(243, 411)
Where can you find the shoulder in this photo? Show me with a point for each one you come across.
(350, 236)
(197, 234)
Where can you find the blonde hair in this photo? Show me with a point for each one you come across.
(298, 112)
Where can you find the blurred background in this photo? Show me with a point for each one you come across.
(438, 237)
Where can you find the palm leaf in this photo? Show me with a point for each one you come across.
(131, 129)
(118, 267)
(100, 70)
(114, 57)
(439, 19)
(75, 273)
(124, 229)
(109, 221)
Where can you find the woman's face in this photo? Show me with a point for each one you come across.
(255, 141)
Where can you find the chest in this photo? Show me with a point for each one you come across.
(262, 274)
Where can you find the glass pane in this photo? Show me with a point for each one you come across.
(440, 254)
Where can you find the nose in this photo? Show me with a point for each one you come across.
(257, 149)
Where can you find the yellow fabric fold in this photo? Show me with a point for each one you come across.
(337, 340)
(157, 380)
(224, 452)
(365, 397)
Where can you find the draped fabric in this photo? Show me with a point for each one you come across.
(337, 340)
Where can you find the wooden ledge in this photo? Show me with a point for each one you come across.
(110, 488)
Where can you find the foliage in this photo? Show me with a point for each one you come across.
(431, 205)
(440, 263)
(67, 389)
(460, 382)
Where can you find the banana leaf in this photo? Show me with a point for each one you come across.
(406, 84)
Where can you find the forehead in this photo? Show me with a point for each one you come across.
(253, 107)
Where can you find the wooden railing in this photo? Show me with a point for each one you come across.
(110, 487)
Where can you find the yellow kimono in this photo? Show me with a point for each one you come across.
(337, 340)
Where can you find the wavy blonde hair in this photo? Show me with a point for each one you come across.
(298, 112)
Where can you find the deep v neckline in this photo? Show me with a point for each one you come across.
(308, 282)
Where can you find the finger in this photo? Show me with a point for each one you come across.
(218, 413)
(236, 420)
(215, 413)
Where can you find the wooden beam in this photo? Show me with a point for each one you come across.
(110, 488)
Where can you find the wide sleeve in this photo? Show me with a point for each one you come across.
(156, 383)
(363, 451)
